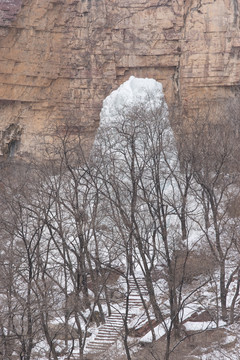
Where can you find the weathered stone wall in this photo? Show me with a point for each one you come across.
(60, 58)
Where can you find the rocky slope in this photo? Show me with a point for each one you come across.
(60, 58)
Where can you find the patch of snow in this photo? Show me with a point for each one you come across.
(159, 331)
(202, 325)
(229, 339)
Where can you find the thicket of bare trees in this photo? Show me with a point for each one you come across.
(213, 150)
(144, 201)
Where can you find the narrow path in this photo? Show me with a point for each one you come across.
(109, 332)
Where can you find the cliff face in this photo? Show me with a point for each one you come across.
(60, 58)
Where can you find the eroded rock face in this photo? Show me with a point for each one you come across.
(60, 58)
(10, 140)
(8, 11)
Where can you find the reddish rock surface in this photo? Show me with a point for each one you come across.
(60, 58)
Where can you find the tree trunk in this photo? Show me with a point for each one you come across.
(223, 292)
(234, 299)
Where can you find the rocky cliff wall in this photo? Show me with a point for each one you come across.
(60, 58)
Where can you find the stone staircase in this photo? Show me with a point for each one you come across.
(134, 298)
(109, 332)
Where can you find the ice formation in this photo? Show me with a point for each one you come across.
(135, 92)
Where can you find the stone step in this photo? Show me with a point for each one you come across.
(114, 326)
(101, 341)
(134, 298)
(104, 347)
(95, 344)
(118, 314)
(104, 334)
(104, 337)
(105, 330)
(137, 279)
(97, 348)
(109, 332)
(104, 341)
(141, 287)
(134, 303)
(119, 320)
(114, 322)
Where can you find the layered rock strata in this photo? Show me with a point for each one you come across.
(60, 58)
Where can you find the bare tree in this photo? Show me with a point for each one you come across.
(213, 151)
